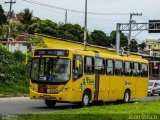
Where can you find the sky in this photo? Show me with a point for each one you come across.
(106, 23)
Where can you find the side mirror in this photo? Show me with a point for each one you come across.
(77, 63)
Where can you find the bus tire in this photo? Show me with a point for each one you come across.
(86, 99)
(126, 97)
(50, 103)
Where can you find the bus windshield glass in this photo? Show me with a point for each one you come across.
(50, 69)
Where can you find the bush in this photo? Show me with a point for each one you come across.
(13, 71)
(19, 56)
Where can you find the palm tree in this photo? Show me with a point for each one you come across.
(26, 16)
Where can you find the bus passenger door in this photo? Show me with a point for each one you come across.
(104, 87)
(116, 82)
(82, 81)
(77, 77)
(100, 80)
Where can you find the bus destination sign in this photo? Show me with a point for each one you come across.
(50, 52)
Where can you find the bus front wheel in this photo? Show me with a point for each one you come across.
(50, 103)
(86, 99)
(126, 98)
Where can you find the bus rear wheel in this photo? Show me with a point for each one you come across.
(50, 103)
(86, 99)
(126, 98)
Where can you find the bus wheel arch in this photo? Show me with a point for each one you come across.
(127, 95)
(86, 97)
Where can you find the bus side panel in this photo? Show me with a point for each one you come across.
(77, 88)
(141, 87)
(116, 88)
(130, 83)
(104, 87)
(81, 84)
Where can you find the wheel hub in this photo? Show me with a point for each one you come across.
(86, 99)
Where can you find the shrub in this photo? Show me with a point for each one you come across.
(13, 71)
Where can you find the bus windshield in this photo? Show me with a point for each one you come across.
(50, 69)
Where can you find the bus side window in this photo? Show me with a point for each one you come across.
(89, 65)
(77, 72)
(118, 67)
(109, 67)
(99, 66)
(127, 69)
(136, 69)
(144, 70)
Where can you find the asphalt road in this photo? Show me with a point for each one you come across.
(21, 105)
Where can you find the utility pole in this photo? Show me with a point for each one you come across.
(66, 14)
(10, 21)
(85, 28)
(117, 38)
(130, 27)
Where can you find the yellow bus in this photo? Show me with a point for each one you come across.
(67, 75)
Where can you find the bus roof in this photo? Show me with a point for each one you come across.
(70, 44)
(116, 57)
(103, 55)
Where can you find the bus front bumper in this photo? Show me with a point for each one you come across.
(56, 97)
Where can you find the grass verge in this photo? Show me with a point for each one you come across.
(15, 90)
(144, 110)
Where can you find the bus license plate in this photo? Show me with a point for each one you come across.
(52, 91)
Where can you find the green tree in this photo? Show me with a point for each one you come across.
(44, 27)
(36, 41)
(123, 39)
(100, 38)
(3, 17)
(4, 30)
(134, 46)
(69, 31)
(3, 20)
(142, 45)
(26, 16)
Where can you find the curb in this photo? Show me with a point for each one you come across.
(13, 95)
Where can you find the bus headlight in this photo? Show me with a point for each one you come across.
(33, 88)
(65, 89)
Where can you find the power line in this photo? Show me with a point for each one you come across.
(71, 10)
